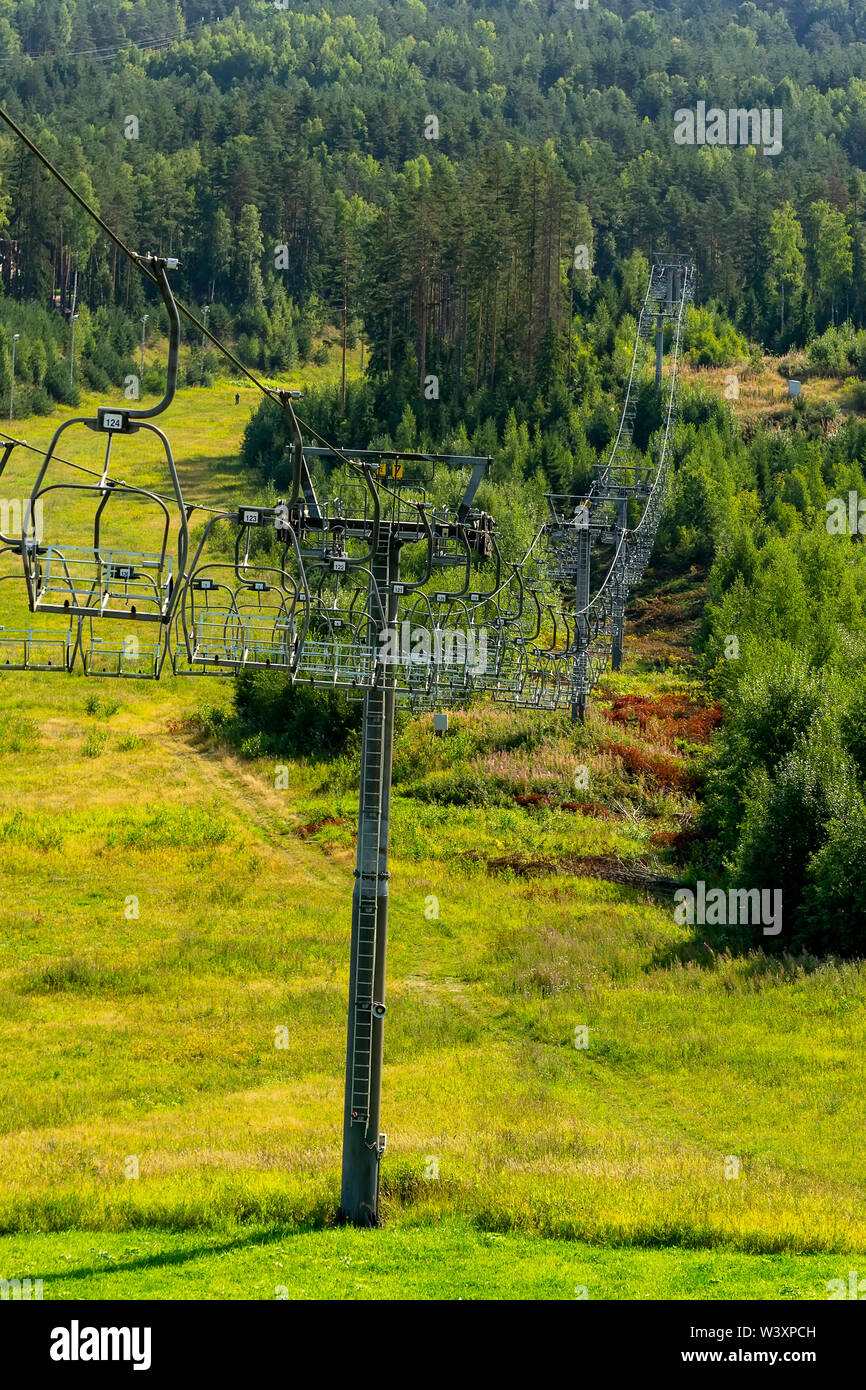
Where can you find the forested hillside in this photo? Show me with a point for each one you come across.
(430, 169)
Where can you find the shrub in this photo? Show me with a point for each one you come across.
(95, 375)
(852, 723)
(154, 380)
(768, 711)
(265, 441)
(710, 340)
(832, 354)
(57, 383)
(833, 916)
(304, 339)
(35, 401)
(787, 813)
(458, 786)
(274, 716)
(95, 743)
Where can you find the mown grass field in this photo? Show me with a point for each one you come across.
(446, 1260)
(169, 916)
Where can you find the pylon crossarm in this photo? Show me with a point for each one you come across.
(307, 518)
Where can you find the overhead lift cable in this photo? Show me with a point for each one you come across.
(279, 397)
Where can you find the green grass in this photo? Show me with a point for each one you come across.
(156, 1027)
(450, 1260)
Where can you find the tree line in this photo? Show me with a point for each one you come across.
(453, 177)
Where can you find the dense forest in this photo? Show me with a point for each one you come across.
(428, 172)
(476, 190)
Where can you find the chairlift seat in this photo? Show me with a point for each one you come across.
(92, 582)
(29, 650)
(107, 657)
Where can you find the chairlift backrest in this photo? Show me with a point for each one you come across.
(108, 578)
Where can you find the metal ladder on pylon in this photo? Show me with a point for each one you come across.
(368, 867)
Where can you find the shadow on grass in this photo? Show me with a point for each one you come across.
(170, 1258)
(711, 949)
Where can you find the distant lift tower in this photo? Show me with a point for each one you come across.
(600, 521)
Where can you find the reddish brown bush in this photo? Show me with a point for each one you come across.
(665, 770)
(679, 842)
(666, 719)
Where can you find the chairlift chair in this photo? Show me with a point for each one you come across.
(28, 648)
(108, 579)
(346, 614)
(127, 655)
(247, 611)
(178, 656)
